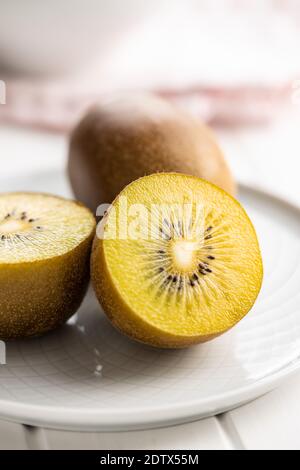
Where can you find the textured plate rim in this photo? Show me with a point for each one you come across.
(76, 419)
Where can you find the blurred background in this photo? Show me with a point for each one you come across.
(233, 63)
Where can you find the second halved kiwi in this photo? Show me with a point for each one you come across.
(45, 244)
(176, 261)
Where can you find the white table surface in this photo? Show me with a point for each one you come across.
(267, 157)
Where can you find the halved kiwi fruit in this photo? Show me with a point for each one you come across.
(176, 261)
(45, 244)
(129, 136)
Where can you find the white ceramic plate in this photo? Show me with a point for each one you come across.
(86, 376)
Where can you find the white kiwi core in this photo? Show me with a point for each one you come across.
(13, 226)
(184, 254)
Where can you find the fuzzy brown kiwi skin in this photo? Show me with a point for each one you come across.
(109, 150)
(123, 318)
(37, 297)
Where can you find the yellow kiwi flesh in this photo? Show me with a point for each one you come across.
(45, 244)
(182, 267)
(131, 136)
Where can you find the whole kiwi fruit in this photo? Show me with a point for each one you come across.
(130, 136)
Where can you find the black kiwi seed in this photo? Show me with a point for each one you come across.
(208, 237)
(160, 270)
(3, 237)
(192, 283)
(7, 216)
(161, 252)
(211, 257)
(174, 278)
(195, 277)
(38, 227)
(169, 278)
(208, 270)
(164, 234)
(203, 265)
(30, 221)
(209, 228)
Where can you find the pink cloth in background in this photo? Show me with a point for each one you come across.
(38, 106)
(232, 65)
